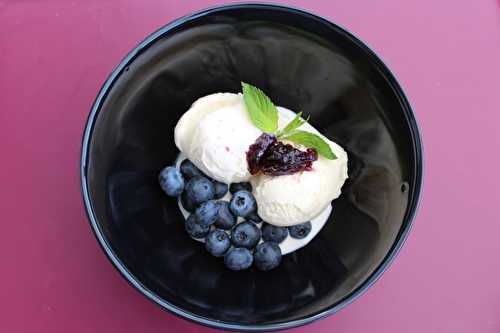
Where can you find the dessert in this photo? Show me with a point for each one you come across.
(254, 181)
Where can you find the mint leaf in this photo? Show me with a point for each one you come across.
(264, 115)
(311, 140)
(261, 109)
(292, 125)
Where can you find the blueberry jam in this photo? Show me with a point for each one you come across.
(256, 152)
(275, 158)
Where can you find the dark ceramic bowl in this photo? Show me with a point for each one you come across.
(303, 62)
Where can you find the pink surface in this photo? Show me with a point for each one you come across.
(54, 55)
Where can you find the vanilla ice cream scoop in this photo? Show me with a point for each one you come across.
(297, 198)
(215, 134)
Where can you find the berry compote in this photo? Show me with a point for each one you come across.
(275, 158)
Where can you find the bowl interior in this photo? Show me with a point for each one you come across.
(303, 63)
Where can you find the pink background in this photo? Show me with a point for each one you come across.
(54, 55)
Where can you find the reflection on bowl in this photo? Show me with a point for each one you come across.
(303, 62)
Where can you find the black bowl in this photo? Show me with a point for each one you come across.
(303, 62)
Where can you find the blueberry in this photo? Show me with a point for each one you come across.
(267, 256)
(199, 189)
(272, 233)
(242, 203)
(245, 234)
(189, 170)
(217, 242)
(225, 219)
(206, 214)
(171, 181)
(238, 259)
(187, 203)
(245, 186)
(254, 217)
(194, 229)
(300, 231)
(220, 189)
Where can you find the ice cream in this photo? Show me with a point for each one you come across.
(297, 198)
(215, 134)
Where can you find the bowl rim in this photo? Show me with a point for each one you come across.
(401, 237)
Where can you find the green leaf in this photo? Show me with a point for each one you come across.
(293, 125)
(311, 140)
(261, 109)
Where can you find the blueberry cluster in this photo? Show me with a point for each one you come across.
(215, 220)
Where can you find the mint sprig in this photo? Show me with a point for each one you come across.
(264, 115)
(261, 109)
